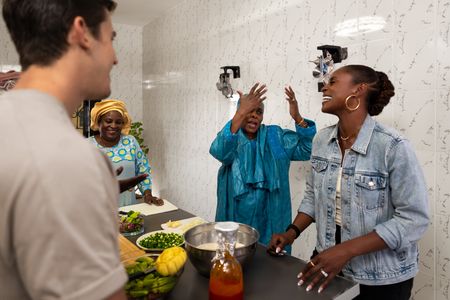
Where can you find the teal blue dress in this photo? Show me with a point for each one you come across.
(253, 181)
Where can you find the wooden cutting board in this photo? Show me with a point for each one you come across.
(128, 250)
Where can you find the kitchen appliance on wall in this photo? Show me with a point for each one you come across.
(325, 62)
(224, 84)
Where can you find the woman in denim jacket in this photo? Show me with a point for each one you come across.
(366, 193)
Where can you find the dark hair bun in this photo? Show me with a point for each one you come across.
(385, 92)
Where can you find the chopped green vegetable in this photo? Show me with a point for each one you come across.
(162, 240)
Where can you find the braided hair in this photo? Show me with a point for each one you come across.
(380, 88)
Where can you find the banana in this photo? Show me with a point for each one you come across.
(173, 224)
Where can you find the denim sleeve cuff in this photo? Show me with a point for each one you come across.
(391, 234)
(308, 209)
(308, 131)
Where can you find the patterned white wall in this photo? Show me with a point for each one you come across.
(8, 55)
(126, 76)
(272, 41)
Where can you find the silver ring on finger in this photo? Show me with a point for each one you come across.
(325, 274)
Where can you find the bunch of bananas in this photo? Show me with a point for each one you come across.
(171, 261)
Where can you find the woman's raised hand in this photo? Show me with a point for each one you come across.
(293, 104)
(252, 100)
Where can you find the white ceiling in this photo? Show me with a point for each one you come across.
(141, 12)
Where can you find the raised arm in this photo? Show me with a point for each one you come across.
(293, 107)
(298, 144)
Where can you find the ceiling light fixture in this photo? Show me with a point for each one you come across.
(358, 26)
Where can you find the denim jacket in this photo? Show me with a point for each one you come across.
(382, 190)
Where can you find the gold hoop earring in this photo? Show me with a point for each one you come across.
(352, 108)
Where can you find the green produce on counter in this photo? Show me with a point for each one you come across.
(162, 240)
(133, 221)
(153, 283)
(142, 264)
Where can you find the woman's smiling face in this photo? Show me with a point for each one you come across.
(110, 126)
(339, 87)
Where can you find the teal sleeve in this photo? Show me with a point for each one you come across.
(224, 146)
(298, 144)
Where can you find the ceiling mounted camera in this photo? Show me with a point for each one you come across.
(325, 62)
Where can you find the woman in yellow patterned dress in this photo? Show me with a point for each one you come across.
(110, 118)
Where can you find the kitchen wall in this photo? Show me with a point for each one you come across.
(8, 56)
(272, 41)
(126, 77)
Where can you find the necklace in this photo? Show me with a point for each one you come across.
(344, 138)
(105, 143)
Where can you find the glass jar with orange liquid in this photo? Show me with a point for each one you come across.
(226, 281)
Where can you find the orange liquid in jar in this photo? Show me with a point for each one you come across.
(226, 281)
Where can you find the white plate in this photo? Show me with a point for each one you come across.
(184, 225)
(151, 233)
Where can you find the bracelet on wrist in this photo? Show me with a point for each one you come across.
(303, 123)
(295, 228)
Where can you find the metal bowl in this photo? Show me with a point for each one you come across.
(205, 233)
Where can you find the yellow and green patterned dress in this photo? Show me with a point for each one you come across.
(128, 154)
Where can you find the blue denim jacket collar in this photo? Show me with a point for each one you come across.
(363, 138)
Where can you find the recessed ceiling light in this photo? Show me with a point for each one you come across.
(358, 26)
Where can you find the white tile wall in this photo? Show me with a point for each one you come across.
(272, 41)
(126, 76)
(8, 55)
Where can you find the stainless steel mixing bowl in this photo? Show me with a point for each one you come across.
(205, 233)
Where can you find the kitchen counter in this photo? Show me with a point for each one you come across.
(265, 278)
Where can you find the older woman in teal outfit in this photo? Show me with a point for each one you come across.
(111, 119)
(253, 181)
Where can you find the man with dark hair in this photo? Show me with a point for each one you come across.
(58, 194)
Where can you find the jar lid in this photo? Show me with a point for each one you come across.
(226, 226)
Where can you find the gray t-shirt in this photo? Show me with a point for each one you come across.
(58, 206)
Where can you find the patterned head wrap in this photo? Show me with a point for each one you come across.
(106, 106)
